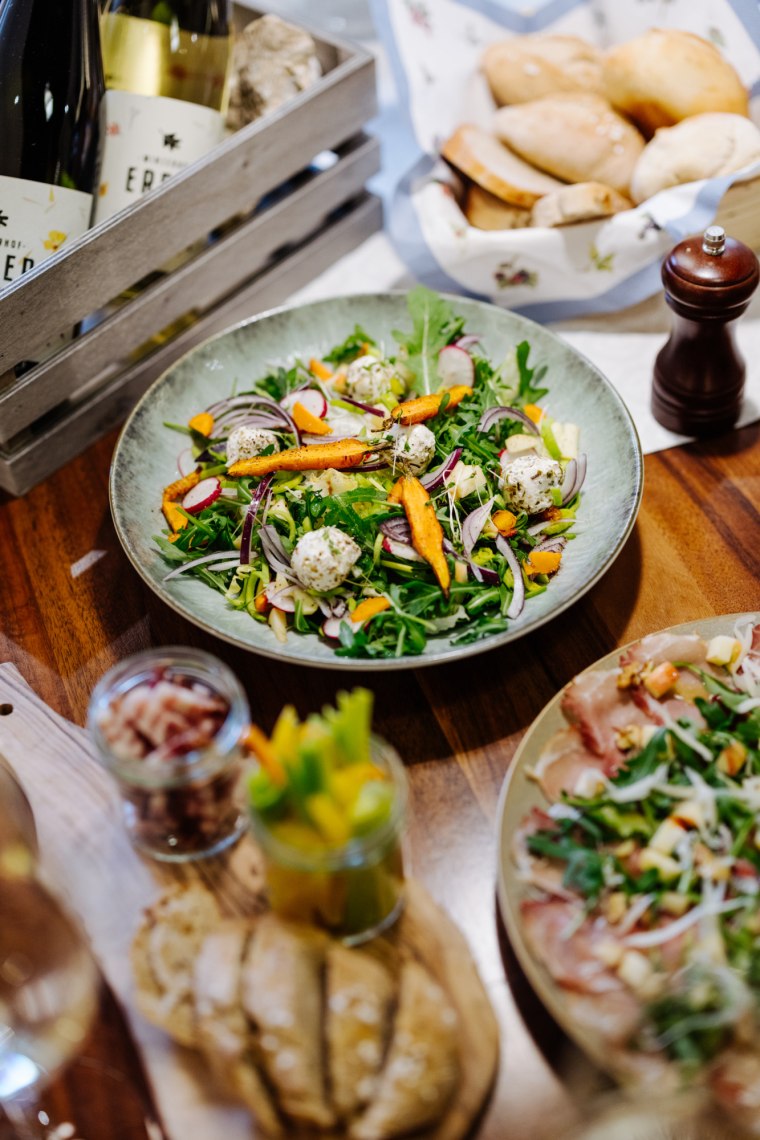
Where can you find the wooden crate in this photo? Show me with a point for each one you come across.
(261, 218)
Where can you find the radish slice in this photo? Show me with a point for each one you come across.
(331, 626)
(455, 365)
(401, 550)
(202, 495)
(308, 398)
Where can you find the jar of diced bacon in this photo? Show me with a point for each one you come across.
(168, 725)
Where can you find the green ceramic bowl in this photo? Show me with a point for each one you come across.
(145, 459)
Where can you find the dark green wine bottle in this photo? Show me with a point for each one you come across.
(51, 85)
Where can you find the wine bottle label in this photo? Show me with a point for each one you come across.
(147, 139)
(36, 220)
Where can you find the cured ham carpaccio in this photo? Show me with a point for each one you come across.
(642, 871)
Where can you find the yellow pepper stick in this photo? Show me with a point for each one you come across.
(318, 369)
(543, 562)
(255, 741)
(203, 423)
(314, 457)
(308, 422)
(427, 532)
(369, 608)
(425, 407)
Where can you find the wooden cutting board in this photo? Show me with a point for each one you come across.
(424, 931)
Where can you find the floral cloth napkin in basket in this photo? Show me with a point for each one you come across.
(548, 274)
(94, 870)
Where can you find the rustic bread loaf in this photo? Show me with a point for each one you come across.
(302, 1030)
(487, 212)
(582, 202)
(163, 958)
(703, 146)
(578, 138)
(493, 166)
(528, 67)
(666, 75)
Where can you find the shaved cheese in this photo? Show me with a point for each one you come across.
(638, 791)
(673, 929)
(687, 738)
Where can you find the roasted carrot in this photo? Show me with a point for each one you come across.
(318, 369)
(306, 421)
(203, 423)
(396, 493)
(425, 407)
(261, 603)
(534, 413)
(427, 532)
(369, 608)
(314, 457)
(172, 493)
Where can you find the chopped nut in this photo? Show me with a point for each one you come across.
(667, 836)
(661, 679)
(689, 814)
(731, 759)
(609, 951)
(615, 906)
(634, 969)
(674, 903)
(629, 676)
(723, 650)
(653, 860)
(710, 865)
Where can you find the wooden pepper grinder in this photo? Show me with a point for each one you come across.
(699, 373)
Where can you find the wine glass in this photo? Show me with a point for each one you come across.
(48, 996)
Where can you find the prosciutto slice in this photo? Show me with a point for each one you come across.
(660, 647)
(600, 711)
(567, 765)
(533, 869)
(565, 943)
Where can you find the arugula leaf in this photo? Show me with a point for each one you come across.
(528, 391)
(434, 326)
(352, 346)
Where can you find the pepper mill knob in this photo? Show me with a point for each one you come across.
(699, 374)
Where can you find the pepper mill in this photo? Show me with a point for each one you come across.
(699, 374)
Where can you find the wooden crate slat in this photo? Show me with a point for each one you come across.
(198, 285)
(64, 436)
(229, 180)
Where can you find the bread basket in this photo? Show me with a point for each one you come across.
(545, 272)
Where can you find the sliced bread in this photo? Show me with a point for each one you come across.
(496, 168)
(582, 202)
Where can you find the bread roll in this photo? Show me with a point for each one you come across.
(529, 67)
(487, 212)
(704, 146)
(578, 138)
(493, 166)
(579, 203)
(667, 75)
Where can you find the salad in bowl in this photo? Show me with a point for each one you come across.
(382, 494)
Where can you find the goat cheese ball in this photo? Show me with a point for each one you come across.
(414, 448)
(527, 483)
(244, 442)
(322, 559)
(368, 378)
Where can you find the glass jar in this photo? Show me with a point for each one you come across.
(168, 725)
(354, 891)
(18, 833)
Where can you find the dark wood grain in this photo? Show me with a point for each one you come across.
(693, 554)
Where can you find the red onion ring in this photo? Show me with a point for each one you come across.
(435, 478)
(494, 415)
(518, 595)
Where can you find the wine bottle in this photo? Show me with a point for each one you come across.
(167, 66)
(51, 84)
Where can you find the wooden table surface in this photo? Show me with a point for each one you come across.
(692, 554)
